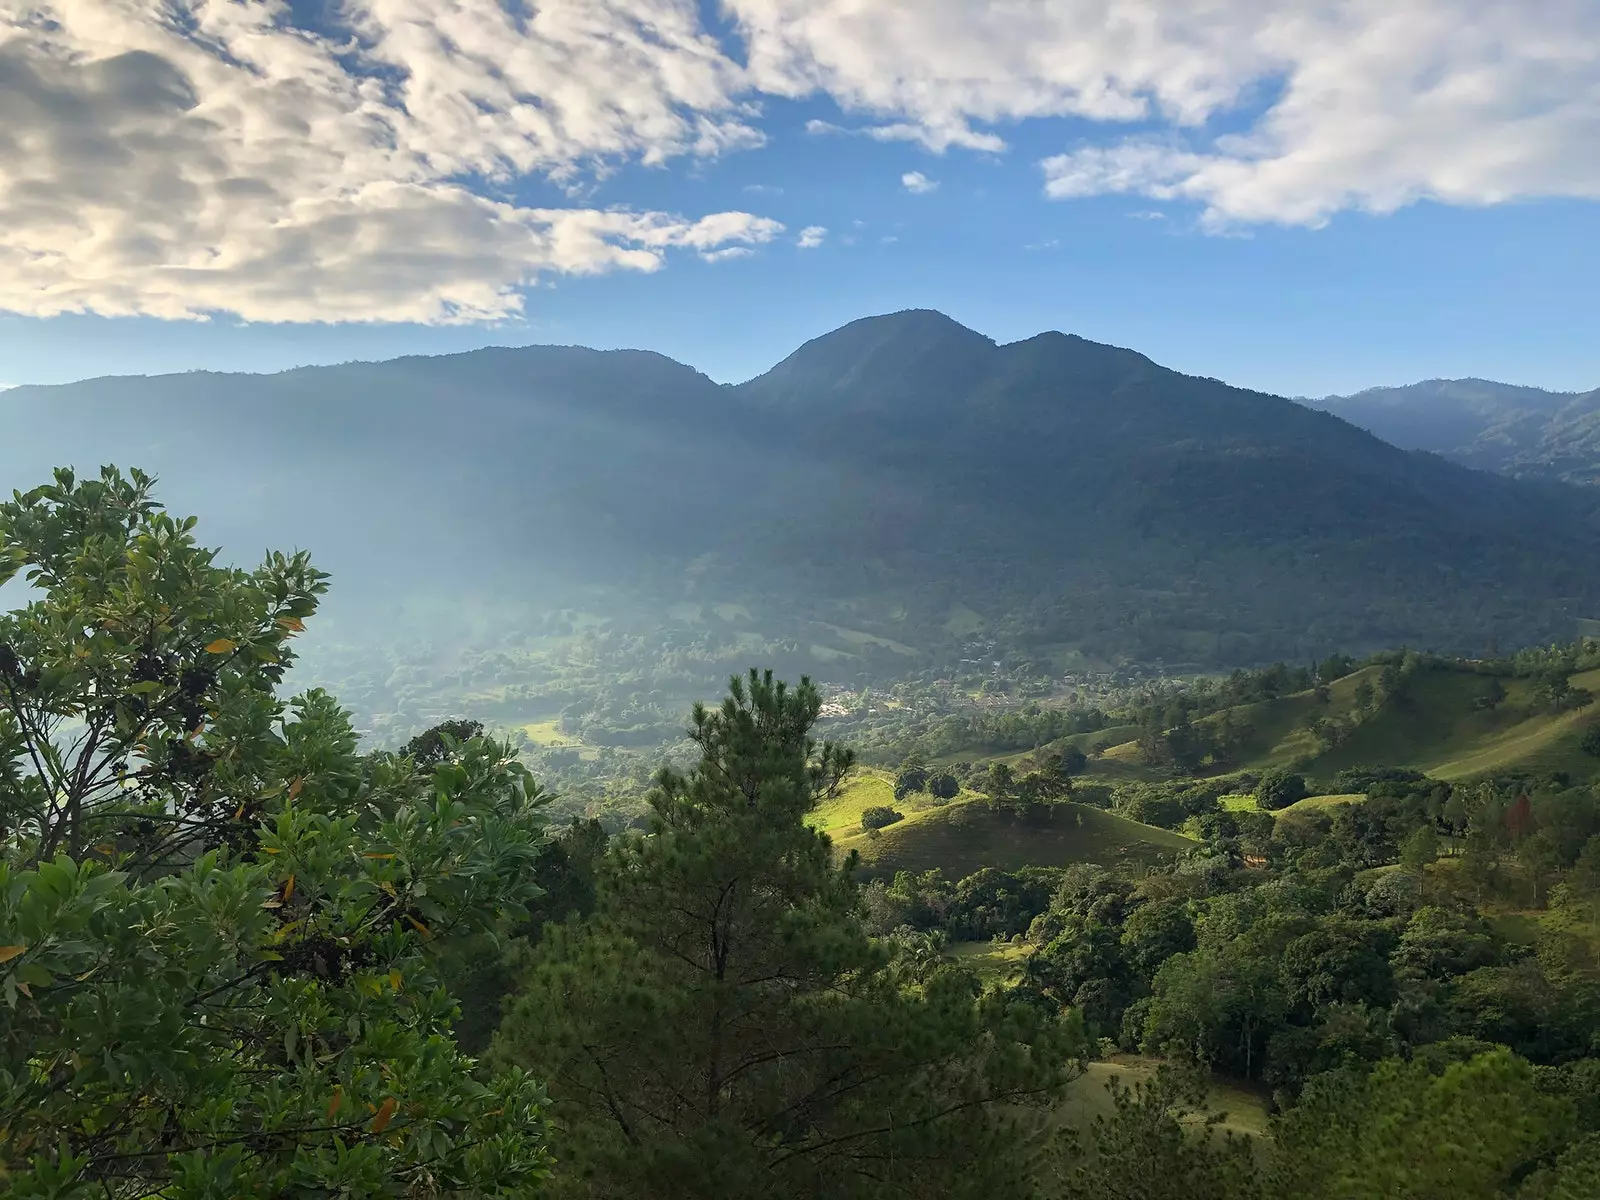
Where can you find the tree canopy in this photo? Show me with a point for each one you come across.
(218, 921)
(722, 1025)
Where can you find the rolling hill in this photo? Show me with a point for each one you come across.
(1521, 431)
(884, 479)
(964, 836)
(1439, 724)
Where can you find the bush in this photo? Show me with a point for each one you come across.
(944, 786)
(1100, 795)
(1591, 741)
(911, 779)
(879, 815)
(1279, 789)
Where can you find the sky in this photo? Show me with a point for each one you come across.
(1300, 196)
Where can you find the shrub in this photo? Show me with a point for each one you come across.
(911, 779)
(879, 815)
(1279, 789)
(1591, 741)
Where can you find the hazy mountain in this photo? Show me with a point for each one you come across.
(903, 476)
(1492, 426)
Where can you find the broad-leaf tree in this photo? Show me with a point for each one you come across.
(218, 921)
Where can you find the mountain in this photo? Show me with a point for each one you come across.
(1521, 431)
(884, 495)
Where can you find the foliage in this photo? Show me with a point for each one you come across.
(218, 923)
(433, 746)
(1590, 742)
(1151, 1147)
(1279, 789)
(723, 1026)
(1472, 1129)
(876, 816)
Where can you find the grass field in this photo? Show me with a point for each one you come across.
(963, 621)
(1244, 1109)
(855, 637)
(547, 735)
(1312, 804)
(1438, 727)
(993, 962)
(963, 836)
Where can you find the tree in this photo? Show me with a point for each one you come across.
(910, 779)
(999, 781)
(721, 1026)
(1420, 848)
(1471, 1129)
(1072, 760)
(1279, 789)
(944, 786)
(219, 924)
(1365, 696)
(433, 746)
(1590, 742)
(1494, 695)
(876, 816)
(1155, 931)
(1151, 1148)
(1555, 689)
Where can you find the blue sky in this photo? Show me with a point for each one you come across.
(1228, 212)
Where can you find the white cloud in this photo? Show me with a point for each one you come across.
(918, 184)
(812, 236)
(1333, 104)
(180, 158)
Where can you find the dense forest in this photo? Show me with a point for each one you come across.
(246, 952)
(888, 495)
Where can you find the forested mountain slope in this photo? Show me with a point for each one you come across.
(1520, 431)
(882, 477)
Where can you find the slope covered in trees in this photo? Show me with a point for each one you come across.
(238, 957)
(1520, 431)
(898, 479)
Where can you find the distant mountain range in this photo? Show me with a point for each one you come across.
(1519, 431)
(904, 477)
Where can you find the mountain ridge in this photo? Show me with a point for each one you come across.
(1511, 429)
(1078, 495)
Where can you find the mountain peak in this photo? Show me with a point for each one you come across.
(897, 359)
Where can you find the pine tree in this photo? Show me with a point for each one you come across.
(721, 1026)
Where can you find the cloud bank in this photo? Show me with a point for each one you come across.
(1284, 111)
(183, 157)
(175, 159)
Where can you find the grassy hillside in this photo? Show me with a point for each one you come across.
(1244, 1108)
(1437, 725)
(1247, 803)
(964, 836)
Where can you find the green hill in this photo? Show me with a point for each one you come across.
(1438, 723)
(964, 836)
